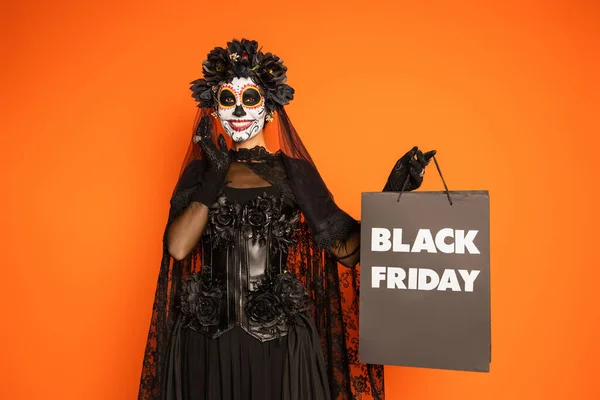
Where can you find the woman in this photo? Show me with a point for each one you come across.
(249, 302)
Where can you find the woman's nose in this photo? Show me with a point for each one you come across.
(239, 111)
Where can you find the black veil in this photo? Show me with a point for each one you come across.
(334, 290)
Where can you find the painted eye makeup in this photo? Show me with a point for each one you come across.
(251, 97)
(227, 98)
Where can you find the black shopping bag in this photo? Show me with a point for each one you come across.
(425, 280)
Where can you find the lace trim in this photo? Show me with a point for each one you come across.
(255, 154)
(335, 230)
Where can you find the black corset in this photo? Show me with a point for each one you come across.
(243, 281)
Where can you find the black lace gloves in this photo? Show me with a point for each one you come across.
(218, 161)
(412, 166)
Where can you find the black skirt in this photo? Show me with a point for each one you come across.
(236, 366)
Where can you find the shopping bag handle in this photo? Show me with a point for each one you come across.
(441, 176)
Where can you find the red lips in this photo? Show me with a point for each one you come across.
(239, 125)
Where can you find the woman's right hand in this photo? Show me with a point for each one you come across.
(218, 159)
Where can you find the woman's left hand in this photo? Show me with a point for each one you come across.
(411, 165)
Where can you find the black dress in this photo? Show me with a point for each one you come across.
(242, 331)
(204, 344)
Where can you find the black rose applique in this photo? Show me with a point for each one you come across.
(284, 223)
(282, 230)
(291, 293)
(223, 220)
(256, 218)
(276, 301)
(263, 309)
(200, 299)
(270, 213)
(207, 306)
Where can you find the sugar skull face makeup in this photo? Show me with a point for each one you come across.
(241, 109)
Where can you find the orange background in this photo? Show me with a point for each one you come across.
(96, 118)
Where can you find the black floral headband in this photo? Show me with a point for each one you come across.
(241, 59)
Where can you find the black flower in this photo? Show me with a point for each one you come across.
(274, 213)
(223, 219)
(218, 66)
(208, 306)
(202, 92)
(277, 207)
(263, 204)
(189, 291)
(243, 54)
(280, 229)
(200, 299)
(256, 213)
(291, 292)
(283, 95)
(272, 72)
(283, 229)
(263, 309)
(282, 235)
(256, 217)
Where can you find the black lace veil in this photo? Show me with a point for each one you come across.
(334, 290)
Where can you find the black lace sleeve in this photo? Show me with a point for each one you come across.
(188, 182)
(334, 230)
(191, 176)
(170, 276)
